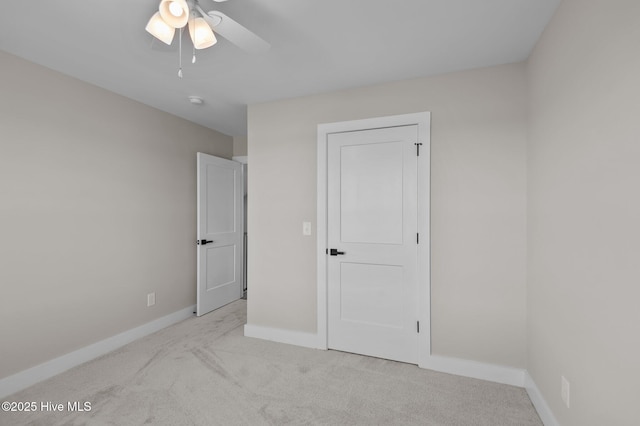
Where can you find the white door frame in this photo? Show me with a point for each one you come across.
(423, 121)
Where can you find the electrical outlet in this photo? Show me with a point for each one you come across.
(306, 228)
(564, 391)
(151, 299)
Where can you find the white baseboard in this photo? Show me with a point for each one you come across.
(474, 369)
(545, 413)
(298, 338)
(26, 378)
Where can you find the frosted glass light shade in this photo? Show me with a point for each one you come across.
(174, 12)
(201, 34)
(160, 29)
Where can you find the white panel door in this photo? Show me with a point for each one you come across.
(372, 229)
(220, 232)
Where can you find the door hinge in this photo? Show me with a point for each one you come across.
(418, 326)
(418, 145)
(418, 238)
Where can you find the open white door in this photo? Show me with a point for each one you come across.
(220, 232)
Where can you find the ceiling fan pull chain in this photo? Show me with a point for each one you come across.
(193, 15)
(180, 53)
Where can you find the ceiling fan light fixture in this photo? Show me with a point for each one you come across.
(174, 12)
(158, 28)
(201, 34)
(175, 9)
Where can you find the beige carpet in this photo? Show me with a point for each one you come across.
(203, 371)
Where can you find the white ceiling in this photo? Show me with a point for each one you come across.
(317, 46)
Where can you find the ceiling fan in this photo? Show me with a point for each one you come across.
(174, 15)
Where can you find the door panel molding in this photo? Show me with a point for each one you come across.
(423, 121)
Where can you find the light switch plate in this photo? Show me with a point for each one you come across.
(306, 228)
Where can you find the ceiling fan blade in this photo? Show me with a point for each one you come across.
(234, 32)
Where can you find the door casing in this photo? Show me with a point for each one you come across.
(423, 121)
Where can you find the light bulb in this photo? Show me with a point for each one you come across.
(174, 12)
(175, 9)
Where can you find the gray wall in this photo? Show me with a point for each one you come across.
(584, 212)
(97, 209)
(478, 206)
(239, 146)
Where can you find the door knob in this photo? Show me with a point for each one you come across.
(335, 252)
(203, 242)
